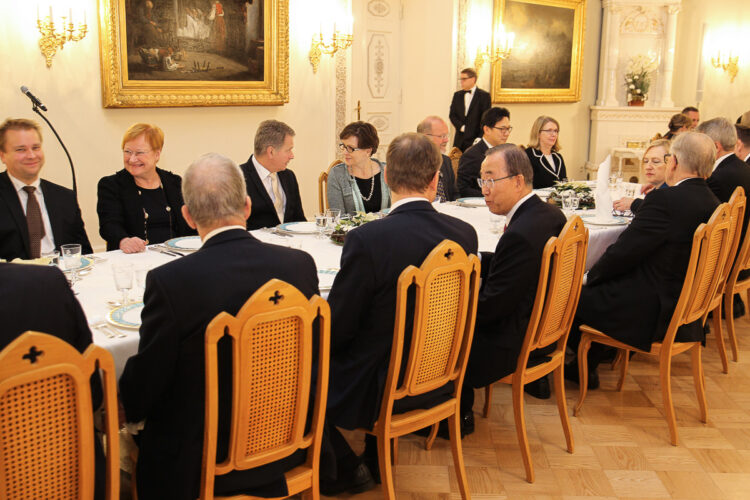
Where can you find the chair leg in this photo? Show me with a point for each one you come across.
(523, 440)
(386, 469)
(617, 360)
(562, 405)
(665, 371)
(699, 381)
(583, 371)
(431, 438)
(394, 450)
(454, 428)
(623, 367)
(731, 333)
(720, 339)
(487, 401)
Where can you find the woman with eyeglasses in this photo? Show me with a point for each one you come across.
(358, 184)
(140, 204)
(543, 152)
(654, 171)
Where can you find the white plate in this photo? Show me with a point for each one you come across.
(299, 227)
(128, 316)
(472, 202)
(326, 277)
(616, 220)
(187, 243)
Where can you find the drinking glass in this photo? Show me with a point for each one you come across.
(123, 274)
(333, 216)
(574, 201)
(53, 256)
(496, 223)
(321, 220)
(71, 261)
(140, 273)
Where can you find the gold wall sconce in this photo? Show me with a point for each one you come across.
(54, 38)
(338, 36)
(502, 44)
(726, 62)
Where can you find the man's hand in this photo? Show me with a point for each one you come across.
(132, 245)
(623, 204)
(646, 188)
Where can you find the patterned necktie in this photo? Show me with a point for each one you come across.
(441, 189)
(277, 197)
(34, 222)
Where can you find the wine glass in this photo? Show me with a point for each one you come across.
(140, 273)
(123, 274)
(71, 261)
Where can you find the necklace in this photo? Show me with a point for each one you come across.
(167, 209)
(372, 184)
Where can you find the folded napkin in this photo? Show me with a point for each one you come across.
(602, 197)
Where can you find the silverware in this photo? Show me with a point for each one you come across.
(166, 252)
(107, 329)
(165, 248)
(279, 232)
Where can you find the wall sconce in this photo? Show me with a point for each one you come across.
(503, 45)
(728, 63)
(52, 39)
(331, 39)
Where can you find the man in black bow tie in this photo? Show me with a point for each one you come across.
(467, 108)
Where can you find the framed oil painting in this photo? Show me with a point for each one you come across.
(546, 63)
(159, 53)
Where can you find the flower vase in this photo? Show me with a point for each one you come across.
(636, 103)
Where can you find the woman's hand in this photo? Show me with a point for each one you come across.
(623, 204)
(132, 245)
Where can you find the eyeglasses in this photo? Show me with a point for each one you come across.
(442, 137)
(138, 154)
(348, 149)
(462, 78)
(550, 131)
(504, 130)
(490, 183)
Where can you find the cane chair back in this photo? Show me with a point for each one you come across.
(323, 187)
(46, 419)
(455, 155)
(737, 283)
(558, 290)
(272, 362)
(711, 243)
(445, 290)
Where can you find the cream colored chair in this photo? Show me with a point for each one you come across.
(323, 187)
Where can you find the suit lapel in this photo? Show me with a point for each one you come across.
(9, 195)
(259, 187)
(53, 209)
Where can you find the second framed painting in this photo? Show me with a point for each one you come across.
(546, 63)
(159, 53)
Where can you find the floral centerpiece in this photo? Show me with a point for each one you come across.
(581, 190)
(638, 78)
(343, 227)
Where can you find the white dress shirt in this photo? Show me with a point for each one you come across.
(468, 96)
(265, 178)
(48, 242)
(719, 160)
(220, 230)
(512, 211)
(404, 201)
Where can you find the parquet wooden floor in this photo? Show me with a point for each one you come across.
(622, 448)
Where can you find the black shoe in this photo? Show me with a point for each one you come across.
(371, 461)
(571, 374)
(738, 308)
(538, 388)
(357, 481)
(466, 423)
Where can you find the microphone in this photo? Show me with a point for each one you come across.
(34, 100)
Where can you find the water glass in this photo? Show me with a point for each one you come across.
(496, 223)
(71, 261)
(574, 202)
(321, 221)
(123, 274)
(140, 273)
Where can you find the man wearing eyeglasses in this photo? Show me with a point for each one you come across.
(467, 107)
(36, 216)
(437, 130)
(510, 274)
(495, 131)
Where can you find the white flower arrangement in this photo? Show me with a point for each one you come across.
(638, 77)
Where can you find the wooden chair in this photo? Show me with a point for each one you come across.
(323, 187)
(272, 364)
(446, 288)
(47, 419)
(710, 247)
(557, 294)
(737, 284)
(455, 155)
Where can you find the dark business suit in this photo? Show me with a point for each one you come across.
(471, 121)
(164, 382)
(636, 203)
(38, 298)
(448, 178)
(469, 167)
(363, 303)
(509, 281)
(545, 175)
(120, 208)
(632, 290)
(729, 174)
(64, 217)
(262, 212)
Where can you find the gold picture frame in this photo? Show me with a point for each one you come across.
(179, 53)
(546, 63)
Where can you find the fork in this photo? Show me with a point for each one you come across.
(106, 329)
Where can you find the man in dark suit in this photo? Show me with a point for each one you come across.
(742, 149)
(437, 130)
(363, 299)
(495, 131)
(510, 275)
(631, 292)
(163, 383)
(36, 216)
(272, 188)
(694, 115)
(467, 107)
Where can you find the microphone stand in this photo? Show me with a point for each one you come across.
(35, 109)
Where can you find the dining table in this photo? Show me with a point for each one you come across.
(115, 326)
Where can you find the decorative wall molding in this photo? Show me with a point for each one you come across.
(377, 65)
(642, 20)
(378, 8)
(341, 93)
(630, 114)
(380, 121)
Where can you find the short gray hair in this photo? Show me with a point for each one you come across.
(516, 161)
(271, 133)
(719, 130)
(695, 153)
(214, 189)
(425, 126)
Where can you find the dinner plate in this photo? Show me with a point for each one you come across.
(472, 202)
(299, 227)
(326, 277)
(185, 243)
(128, 316)
(616, 220)
(85, 264)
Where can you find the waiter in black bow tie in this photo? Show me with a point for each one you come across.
(467, 107)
